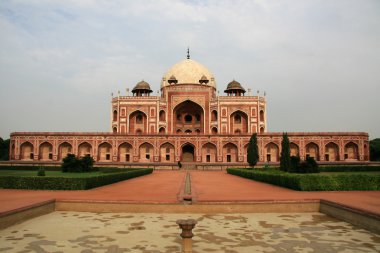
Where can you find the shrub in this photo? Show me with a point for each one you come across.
(41, 172)
(71, 163)
(253, 151)
(314, 182)
(285, 153)
(347, 168)
(66, 183)
(294, 164)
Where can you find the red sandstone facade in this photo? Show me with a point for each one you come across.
(187, 122)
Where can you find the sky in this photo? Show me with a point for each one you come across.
(318, 61)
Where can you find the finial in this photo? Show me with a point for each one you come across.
(188, 53)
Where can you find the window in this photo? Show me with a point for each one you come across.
(167, 157)
(147, 156)
(50, 156)
(228, 158)
(108, 157)
(208, 158)
(188, 118)
(139, 119)
(237, 119)
(127, 157)
(115, 115)
(31, 156)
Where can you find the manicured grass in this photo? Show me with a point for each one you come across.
(337, 181)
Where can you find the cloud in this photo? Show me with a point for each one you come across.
(317, 60)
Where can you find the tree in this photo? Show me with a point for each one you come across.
(4, 149)
(253, 151)
(71, 163)
(285, 153)
(374, 149)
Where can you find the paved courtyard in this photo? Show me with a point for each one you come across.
(207, 186)
(155, 233)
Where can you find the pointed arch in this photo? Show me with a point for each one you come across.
(294, 149)
(138, 122)
(209, 152)
(230, 153)
(238, 122)
(188, 152)
(351, 151)
(261, 115)
(188, 115)
(114, 115)
(125, 152)
(84, 149)
(162, 130)
(64, 149)
(146, 152)
(312, 150)
(105, 152)
(45, 151)
(162, 115)
(26, 151)
(167, 152)
(331, 152)
(214, 115)
(271, 152)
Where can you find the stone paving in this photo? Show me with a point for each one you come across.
(206, 186)
(113, 232)
(154, 233)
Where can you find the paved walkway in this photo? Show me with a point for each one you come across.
(210, 186)
(207, 186)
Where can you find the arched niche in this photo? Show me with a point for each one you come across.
(238, 122)
(331, 152)
(146, 152)
(188, 116)
(105, 152)
(294, 149)
(230, 153)
(84, 149)
(312, 150)
(64, 149)
(137, 122)
(125, 152)
(209, 153)
(167, 152)
(45, 152)
(26, 151)
(271, 152)
(351, 151)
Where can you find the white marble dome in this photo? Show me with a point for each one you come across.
(188, 71)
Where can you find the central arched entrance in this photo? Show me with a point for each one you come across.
(187, 153)
(188, 118)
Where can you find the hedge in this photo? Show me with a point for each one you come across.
(313, 182)
(63, 183)
(35, 167)
(348, 168)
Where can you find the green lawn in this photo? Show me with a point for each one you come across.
(28, 173)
